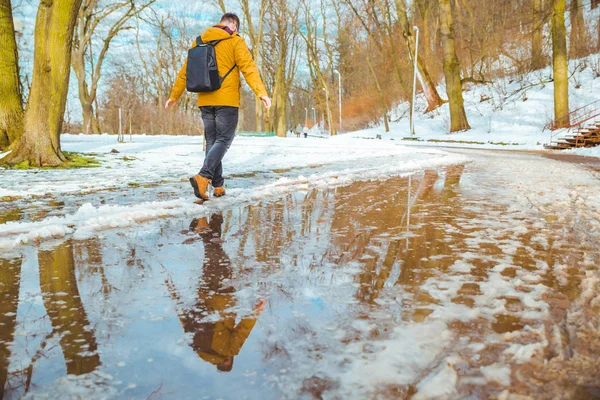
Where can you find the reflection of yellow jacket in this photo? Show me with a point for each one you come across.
(231, 50)
(227, 340)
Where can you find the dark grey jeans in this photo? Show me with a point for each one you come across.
(219, 128)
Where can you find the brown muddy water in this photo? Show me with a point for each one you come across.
(382, 289)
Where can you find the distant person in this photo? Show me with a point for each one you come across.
(298, 130)
(216, 342)
(305, 131)
(220, 108)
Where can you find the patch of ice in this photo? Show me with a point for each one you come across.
(441, 384)
(497, 373)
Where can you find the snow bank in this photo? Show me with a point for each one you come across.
(509, 113)
(90, 219)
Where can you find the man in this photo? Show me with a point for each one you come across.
(216, 342)
(220, 108)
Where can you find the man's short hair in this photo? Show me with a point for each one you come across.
(231, 17)
(225, 366)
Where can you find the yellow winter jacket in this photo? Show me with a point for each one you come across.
(227, 340)
(231, 50)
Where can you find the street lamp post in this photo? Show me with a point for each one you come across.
(340, 94)
(314, 116)
(327, 106)
(412, 103)
(305, 116)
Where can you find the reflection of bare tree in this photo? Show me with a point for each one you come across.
(272, 215)
(88, 254)
(215, 342)
(65, 309)
(10, 277)
(307, 212)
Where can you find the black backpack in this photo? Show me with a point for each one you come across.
(202, 73)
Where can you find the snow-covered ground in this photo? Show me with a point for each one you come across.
(510, 113)
(454, 281)
(260, 167)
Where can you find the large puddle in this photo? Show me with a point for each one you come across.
(379, 289)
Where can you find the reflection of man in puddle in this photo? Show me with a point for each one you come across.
(215, 342)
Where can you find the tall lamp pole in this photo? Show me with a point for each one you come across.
(340, 94)
(412, 103)
(305, 116)
(314, 116)
(327, 106)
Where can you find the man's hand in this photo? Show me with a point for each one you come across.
(170, 103)
(266, 101)
(260, 306)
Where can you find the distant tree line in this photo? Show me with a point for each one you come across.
(303, 49)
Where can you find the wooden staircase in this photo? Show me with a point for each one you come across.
(584, 130)
(585, 136)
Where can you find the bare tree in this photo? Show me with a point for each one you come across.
(578, 42)
(40, 143)
(94, 13)
(538, 22)
(433, 98)
(384, 109)
(11, 109)
(256, 40)
(560, 65)
(458, 117)
(283, 43)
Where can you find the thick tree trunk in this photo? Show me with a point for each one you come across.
(10, 278)
(537, 57)
(11, 109)
(560, 65)
(458, 117)
(40, 143)
(578, 43)
(69, 321)
(433, 98)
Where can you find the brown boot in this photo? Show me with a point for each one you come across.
(199, 225)
(200, 184)
(219, 191)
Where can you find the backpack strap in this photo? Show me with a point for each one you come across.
(228, 72)
(199, 42)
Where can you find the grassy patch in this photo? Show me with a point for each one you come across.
(77, 160)
(133, 184)
(504, 143)
(7, 199)
(74, 160)
(10, 215)
(454, 141)
(471, 142)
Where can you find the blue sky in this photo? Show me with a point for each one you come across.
(199, 16)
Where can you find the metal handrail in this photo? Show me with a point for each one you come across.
(575, 115)
(577, 118)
